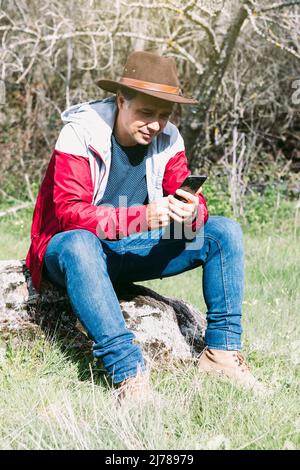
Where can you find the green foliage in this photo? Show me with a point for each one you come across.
(264, 210)
(271, 208)
(216, 193)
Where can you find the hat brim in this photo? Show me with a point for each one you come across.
(113, 86)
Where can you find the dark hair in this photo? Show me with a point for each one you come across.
(127, 93)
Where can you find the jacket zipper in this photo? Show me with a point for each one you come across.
(98, 155)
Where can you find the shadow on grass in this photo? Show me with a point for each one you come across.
(57, 322)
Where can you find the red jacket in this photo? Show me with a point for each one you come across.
(64, 203)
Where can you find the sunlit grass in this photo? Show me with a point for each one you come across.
(15, 234)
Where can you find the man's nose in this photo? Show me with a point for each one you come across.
(154, 126)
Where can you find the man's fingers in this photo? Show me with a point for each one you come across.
(162, 211)
(165, 218)
(176, 217)
(177, 203)
(182, 212)
(187, 196)
(164, 223)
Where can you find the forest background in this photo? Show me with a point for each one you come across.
(240, 59)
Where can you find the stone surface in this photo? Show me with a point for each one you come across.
(166, 328)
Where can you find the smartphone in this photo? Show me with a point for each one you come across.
(191, 184)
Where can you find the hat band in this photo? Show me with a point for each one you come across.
(174, 90)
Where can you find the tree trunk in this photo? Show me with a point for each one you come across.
(209, 84)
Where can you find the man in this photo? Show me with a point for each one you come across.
(106, 213)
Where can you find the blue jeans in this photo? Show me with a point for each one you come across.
(88, 266)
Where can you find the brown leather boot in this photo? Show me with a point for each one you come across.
(232, 365)
(135, 389)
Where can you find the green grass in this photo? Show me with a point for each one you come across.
(15, 233)
(52, 398)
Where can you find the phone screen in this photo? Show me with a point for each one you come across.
(191, 184)
(194, 182)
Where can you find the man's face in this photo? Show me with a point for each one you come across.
(141, 119)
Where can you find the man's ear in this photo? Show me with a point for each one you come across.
(120, 100)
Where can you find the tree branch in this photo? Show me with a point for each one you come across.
(276, 6)
(13, 210)
(186, 11)
(251, 17)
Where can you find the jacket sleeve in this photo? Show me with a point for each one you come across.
(175, 173)
(73, 195)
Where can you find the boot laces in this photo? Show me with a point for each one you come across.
(242, 361)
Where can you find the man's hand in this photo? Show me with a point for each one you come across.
(183, 212)
(157, 213)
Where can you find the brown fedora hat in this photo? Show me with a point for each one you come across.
(151, 74)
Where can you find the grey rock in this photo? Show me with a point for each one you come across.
(166, 328)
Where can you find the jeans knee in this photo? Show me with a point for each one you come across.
(233, 227)
(81, 246)
(233, 234)
(228, 232)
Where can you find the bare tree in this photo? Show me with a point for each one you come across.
(52, 52)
